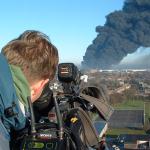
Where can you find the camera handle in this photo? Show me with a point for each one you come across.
(59, 118)
(33, 129)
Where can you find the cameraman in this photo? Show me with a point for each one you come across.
(30, 61)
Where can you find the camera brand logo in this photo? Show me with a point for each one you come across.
(45, 136)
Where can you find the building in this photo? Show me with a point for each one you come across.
(136, 142)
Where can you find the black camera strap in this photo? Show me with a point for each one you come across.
(78, 117)
(102, 106)
(89, 130)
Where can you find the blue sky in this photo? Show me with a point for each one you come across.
(70, 24)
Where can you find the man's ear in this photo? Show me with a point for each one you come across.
(43, 83)
(37, 88)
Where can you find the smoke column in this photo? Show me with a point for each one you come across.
(123, 32)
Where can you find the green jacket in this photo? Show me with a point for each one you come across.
(21, 84)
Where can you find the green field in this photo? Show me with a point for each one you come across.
(130, 104)
(111, 132)
(147, 113)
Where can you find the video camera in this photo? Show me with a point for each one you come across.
(65, 120)
(67, 72)
(69, 77)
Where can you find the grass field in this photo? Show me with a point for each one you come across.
(147, 113)
(130, 104)
(111, 132)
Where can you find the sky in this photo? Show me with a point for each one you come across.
(70, 24)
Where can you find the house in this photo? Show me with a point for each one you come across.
(136, 141)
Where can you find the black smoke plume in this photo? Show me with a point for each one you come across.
(123, 32)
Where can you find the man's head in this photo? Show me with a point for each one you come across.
(37, 57)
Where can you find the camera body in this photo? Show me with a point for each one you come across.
(67, 72)
(69, 77)
(68, 109)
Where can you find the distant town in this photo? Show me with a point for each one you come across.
(128, 91)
